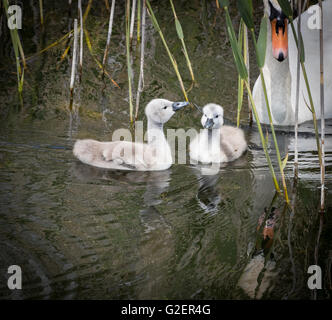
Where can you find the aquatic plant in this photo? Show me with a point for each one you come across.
(81, 36)
(74, 57)
(19, 55)
(242, 70)
(171, 57)
(109, 34)
(41, 12)
(322, 111)
(140, 85)
(286, 8)
(129, 66)
(181, 37)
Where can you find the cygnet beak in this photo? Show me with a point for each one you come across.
(179, 105)
(209, 123)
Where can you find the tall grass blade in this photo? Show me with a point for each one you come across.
(269, 113)
(246, 12)
(16, 46)
(181, 37)
(173, 61)
(239, 62)
(286, 8)
(261, 43)
(242, 69)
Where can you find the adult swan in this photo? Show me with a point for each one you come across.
(281, 66)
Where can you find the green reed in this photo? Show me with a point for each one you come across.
(171, 57)
(19, 55)
(181, 37)
(243, 72)
(286, 8)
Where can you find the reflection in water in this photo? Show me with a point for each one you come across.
(80, 232)
(208, 194)
(257, 277)
(156, 243)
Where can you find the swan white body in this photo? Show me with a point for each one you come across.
(281, 77)
(125, 155)
(217, 143)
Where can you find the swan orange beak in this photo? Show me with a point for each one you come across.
(279, 39)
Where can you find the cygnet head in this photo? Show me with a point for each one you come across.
(161, 110)
(213, 116)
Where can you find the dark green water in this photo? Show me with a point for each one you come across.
(79, 232)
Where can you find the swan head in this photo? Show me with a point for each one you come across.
(279, 32)
(213, 116)
(161, 110)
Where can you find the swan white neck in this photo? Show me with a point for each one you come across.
(278, 83)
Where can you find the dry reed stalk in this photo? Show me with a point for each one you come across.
(73, 66)
(141, 74)
(322, 111)
(132, 19)
(81, 36)
(109, 34)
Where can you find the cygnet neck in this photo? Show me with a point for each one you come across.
(155, 131)
(212, 133)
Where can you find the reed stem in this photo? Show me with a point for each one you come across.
(181, 37)
(138, 20)
(173, 61)
(240, 80)
(271, 123)
(129, 67)
(41, 12)
(312, 107)
(262, 137)
(322, 107)
(81, 35)
(132, 19)
(17, 49)
(247, 63)
(88, 42)
(109, 34)
(141, 74)
(73, 65)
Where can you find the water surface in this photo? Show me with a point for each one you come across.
(79, 232)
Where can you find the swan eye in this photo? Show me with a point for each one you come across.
(165, 107)
(217, 116)
(205, 115)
